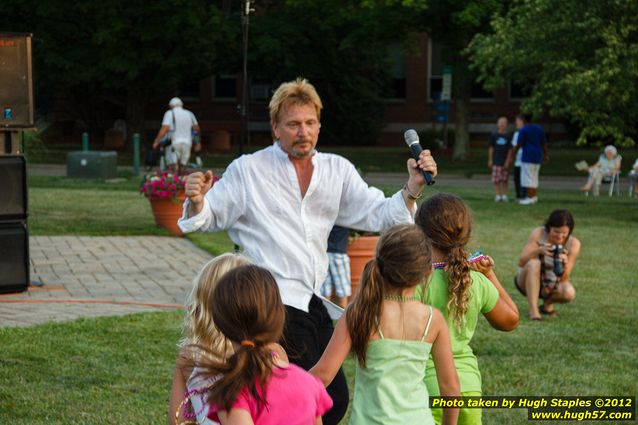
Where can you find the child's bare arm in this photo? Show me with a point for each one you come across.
(334, 354)
(504, 316)
(444, 364)
(235, 417)
(177, 396)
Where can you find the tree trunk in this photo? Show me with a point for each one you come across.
(461, 130)
(135, 107)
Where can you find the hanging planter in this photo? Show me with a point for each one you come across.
(167, 211)
(165, 192)
(361, 249)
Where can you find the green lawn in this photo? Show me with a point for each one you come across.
(118, 370)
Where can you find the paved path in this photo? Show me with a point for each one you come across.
(374, 179)
(478, 180)
(85, 276)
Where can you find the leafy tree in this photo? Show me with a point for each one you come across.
(454, 23)
(579, 57)
(120, 51)
(341, 47)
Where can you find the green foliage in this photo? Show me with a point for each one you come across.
(118, 52)
(116, 44)
(33, 147)
(342, 52)
(580, 58)
(453, 24)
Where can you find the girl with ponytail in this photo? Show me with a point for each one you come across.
(392, 334)
(462, 291)
(256, 385)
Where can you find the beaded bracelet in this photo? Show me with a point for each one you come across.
(410, 195)
(189, 415)
(401, 298)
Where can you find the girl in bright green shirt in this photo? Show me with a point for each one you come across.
(460, 293)
(392, 335)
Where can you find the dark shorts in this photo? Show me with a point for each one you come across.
(523, 292)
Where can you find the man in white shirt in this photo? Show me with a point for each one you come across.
(280, 204)
(180, 124)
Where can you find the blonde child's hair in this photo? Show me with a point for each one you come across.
(199, 328)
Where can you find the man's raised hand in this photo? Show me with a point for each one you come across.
(197, 184)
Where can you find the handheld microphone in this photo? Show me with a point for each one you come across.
(412, 139)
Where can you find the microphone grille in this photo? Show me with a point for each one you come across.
(411, 136)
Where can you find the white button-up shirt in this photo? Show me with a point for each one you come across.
(258, 200)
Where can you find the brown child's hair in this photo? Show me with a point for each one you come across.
(447, 221)
(248, 311)
(403, 259)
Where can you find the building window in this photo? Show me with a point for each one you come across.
(478, 93)
(396, 62)
(260, 88)
(189, 91)
(435, 66)
(225, 87)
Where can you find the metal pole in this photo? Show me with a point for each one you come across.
(85, 141)
(136, 154)
(243, 135)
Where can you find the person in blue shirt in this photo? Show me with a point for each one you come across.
(533, 142)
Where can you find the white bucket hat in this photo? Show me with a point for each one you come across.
(174, 102)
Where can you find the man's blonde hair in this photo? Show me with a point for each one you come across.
(298, 92)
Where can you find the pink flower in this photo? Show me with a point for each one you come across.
(165, 185)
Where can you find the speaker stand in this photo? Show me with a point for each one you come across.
(9, 143)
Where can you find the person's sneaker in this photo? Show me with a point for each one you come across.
(526, 201)
(534, 199)
(504, 198)
(497, 198)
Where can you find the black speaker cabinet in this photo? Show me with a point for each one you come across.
(16, 81)
(13, 188)
(14, 240)
(14, 257)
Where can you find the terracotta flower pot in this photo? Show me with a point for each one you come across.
(167, 212)
(360, 250)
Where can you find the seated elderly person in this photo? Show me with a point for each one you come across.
(608, 165)
(633, 178)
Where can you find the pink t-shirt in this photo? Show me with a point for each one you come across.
(294, 397)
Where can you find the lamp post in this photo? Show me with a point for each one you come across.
(243, 109)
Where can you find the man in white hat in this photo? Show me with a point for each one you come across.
(179, 124)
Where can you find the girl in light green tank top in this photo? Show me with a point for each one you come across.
(392, 335)
(460, 293)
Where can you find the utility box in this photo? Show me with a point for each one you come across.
(91, 165)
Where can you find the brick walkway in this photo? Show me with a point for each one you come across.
(84, 276)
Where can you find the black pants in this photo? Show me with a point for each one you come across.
(306, 336)
(521, 192)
